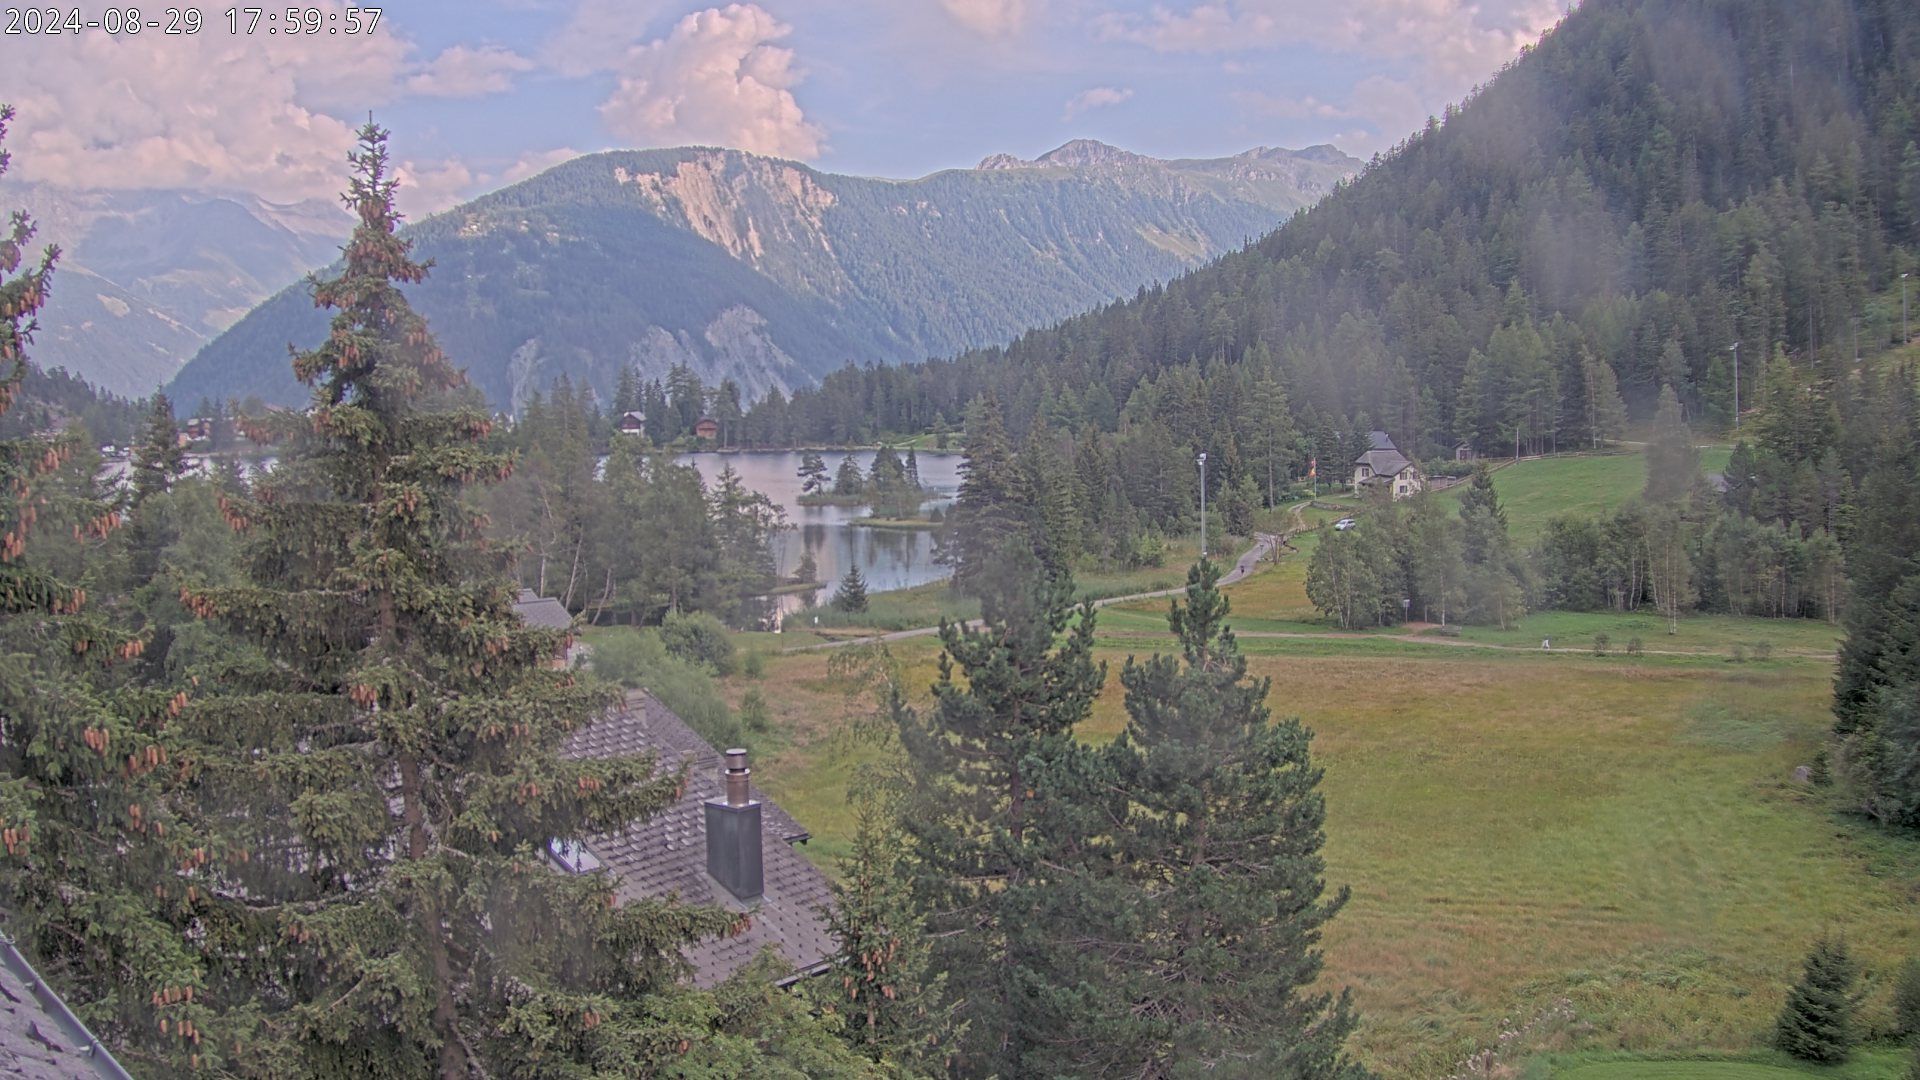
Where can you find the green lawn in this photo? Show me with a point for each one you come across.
(1534, 492)
(1873, 1064)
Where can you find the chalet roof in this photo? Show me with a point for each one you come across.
(542, 611)
(1380, 440)
(636, 418)
(40, 1038)
(1388, 462)
(666, 855)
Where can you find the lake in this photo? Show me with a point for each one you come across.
(888, 558)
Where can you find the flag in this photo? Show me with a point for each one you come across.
(1313, 467)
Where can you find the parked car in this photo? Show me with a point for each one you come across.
(1343, 524)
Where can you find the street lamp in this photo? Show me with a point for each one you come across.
(1904, 337)
(1735, 349)
(1203, 504)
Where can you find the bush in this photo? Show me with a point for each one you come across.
(1906, 999)
(1738, 655)
(753, 665)
(1633, 646)
(1600, 643)
(1762, 650)
(1817, 1022)
(698, 637)
(753, 712)
(638, 659)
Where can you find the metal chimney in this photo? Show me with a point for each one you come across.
(733, 833)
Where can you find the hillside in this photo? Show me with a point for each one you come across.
(148, 277)
(1654, 181)
(773, 274)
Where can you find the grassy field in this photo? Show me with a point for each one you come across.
(1533, 492)
(1607, 855)
(1872, 1064)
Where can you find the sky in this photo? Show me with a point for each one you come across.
(480, 93)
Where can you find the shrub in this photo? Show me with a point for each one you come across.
(1817, 1022)
(1906, 999)
(753, 712)
(753, 665)
(700, 638)
(1600, 643)
(1738, 655)
(1762, 650)
(1633, 646)
(638, 659)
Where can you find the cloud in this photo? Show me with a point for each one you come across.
(1451, 38)
(1098, 97)
(212, 111)
(990, 18)
(535, 163)
(464, 71)
(716, 78)
(597, 35)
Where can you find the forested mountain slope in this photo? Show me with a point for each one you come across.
(772, 274)
(1654, 181)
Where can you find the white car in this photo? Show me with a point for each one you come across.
(1343, 524)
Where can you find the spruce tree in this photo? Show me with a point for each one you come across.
(372, 786)
(1221, 853)
(988, 510)
(158, 459)
(813, 474)
(92, 881)
(851, 597)
(1816, 1023)
(1673, 464)
(993, 767)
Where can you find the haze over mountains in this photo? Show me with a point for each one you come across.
(773, 274)
(148, 277)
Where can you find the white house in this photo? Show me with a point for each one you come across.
(1383, 463)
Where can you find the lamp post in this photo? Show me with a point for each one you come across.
(1203, 504)
(1735, 349)
(1904, 337)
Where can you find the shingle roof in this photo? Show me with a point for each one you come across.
(666, 855)
(40, 1038)
(1380, 440)
(1383, 462)
(542, 611)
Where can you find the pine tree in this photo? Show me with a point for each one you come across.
(1817, 1022)
(813, 474)
(851, 597)
(987, 512)
(82, 817)
(991, 767)
(809, 568)
(913, 469)
(888, 990)
(847, 480)
(373, 788)
(1221, 853)
(159, 459)
(1673, 463)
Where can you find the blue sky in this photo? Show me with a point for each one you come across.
(483, 92)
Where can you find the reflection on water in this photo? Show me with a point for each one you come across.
(888, 558)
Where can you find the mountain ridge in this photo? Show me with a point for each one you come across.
(774, 273)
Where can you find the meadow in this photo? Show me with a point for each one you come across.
(1608, 855)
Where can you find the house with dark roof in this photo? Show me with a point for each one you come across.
(548, 614)
(1383, 463)
(706, 429)
(723, 843)
(633, 423)
(40, 1038)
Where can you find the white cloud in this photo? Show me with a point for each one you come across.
(990, 18)
(468, 71)
(1450, 38)
(535, 163)
(597, 35)
(210, 111)
(716, 78)
(1098, 97)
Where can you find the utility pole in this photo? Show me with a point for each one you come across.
(1904, 338)
(1203, 504)
(1735, 348)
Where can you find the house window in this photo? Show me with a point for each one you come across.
(573, 856)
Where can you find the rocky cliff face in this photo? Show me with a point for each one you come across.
(773, 274)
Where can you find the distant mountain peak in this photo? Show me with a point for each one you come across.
(1074, 154)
